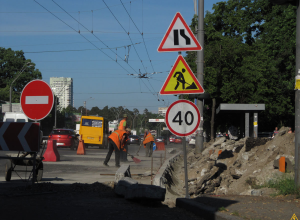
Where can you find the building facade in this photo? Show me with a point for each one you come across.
(62, 87)
(162, 111)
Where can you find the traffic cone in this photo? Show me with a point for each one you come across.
(51, 154)
(81, 148)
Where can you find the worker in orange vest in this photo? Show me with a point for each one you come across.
(148, 143)
(116, 141)
(123, 123)
(123, 126)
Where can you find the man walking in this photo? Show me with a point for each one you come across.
(148, 143)
(116, 142)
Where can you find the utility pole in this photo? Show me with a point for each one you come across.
(84, 103)
(10, 88)
(200, 73)
(297, 101)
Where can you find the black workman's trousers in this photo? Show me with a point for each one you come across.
(111, 147)
(149, 149)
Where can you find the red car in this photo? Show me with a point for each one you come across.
(64, 138)
(172, 139)
(178, 140)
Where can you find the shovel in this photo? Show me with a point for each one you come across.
(136, 160)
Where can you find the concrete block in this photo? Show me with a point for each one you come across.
(256, 192)
(220, 141)
(151, 192)
(123, 185)
(123, 171)
(171, 151)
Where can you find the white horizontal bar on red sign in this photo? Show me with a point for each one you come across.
(34, 100)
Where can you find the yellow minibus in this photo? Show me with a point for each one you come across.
(94, 131)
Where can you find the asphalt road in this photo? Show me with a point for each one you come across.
(89, 168)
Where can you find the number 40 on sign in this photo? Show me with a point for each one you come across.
(183, 118)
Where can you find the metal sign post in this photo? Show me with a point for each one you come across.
(183, 119)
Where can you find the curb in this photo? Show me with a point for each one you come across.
(159, 179)
(203, 211)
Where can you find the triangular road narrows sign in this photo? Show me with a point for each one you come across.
(181, 80)
(179, 37)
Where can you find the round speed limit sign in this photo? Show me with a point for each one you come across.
(183, 118)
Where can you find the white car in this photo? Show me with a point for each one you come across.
(192, 140)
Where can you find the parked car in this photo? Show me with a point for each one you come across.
(172, 138)
(178, 140)
(64, 138)
(192, 140)
(133, 139)
(161, 139)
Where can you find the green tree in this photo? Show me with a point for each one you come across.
(11, 62)
(248, 59)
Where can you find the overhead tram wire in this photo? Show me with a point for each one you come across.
(140, 33)
(143, 41)
(126, 33)
(81, 35)
(131, 42)
(96, 36)
(26, 12)
(58, 51)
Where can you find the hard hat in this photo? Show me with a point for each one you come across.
(125, 115)
(146, 130)
(128, 129)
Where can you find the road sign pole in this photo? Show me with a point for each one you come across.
(187, 195)
(297, 103)
(200, 73)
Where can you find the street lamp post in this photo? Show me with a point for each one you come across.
(10, 89)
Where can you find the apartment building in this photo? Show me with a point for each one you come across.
(63, 89)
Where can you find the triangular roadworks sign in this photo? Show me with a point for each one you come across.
(181, 80)
(179, 37)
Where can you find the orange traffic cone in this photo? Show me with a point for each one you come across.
(51, 154)
(81, 148)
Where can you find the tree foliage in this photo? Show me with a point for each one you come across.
(250, 57)
(11, 63)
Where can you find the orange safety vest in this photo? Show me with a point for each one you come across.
(148, 139)
(116, 137)
(121, 127)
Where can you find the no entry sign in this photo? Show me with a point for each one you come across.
(37, 99)
(183, 118)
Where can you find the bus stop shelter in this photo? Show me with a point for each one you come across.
(251, 113)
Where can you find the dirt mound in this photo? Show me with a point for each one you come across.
(235, 167)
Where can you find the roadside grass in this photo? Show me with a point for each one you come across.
(235, 213)
(223, 209)
(285, 185)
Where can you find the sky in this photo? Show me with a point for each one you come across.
(48, 33)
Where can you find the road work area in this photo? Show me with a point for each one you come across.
(80, 187)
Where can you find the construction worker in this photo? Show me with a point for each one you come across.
(117, 140)
(123, 126)
(148, 143)
(123, 123)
